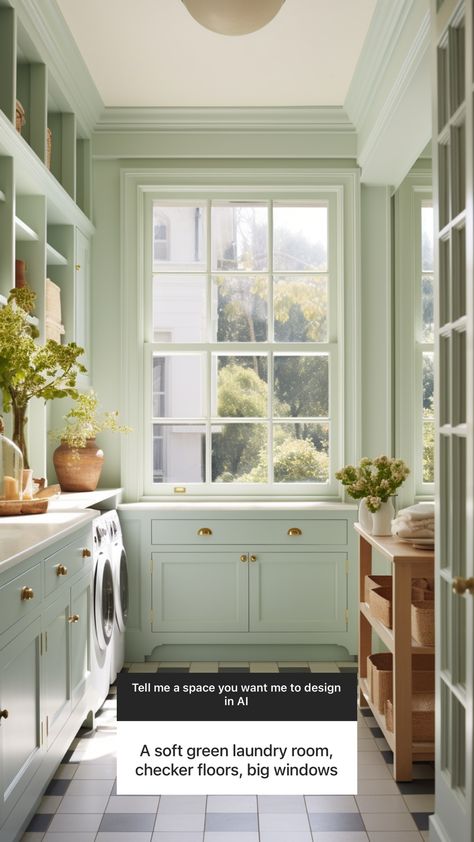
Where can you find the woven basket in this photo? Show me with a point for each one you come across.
(372, 582)
(380, 603)
(380, 676)
(423, 716)
(422, 622)
(20, 117)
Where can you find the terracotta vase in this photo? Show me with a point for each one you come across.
(78, 469)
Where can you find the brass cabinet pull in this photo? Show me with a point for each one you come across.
(86, 553)
(294, 530)
(253, 558)
(204, 531)
(244, 557)
(27, 593)
(461, 585)
(74, 618)
(4, 714)
(78, 266)
(61, 570)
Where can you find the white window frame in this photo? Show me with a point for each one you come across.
(139, 189)
(413, 194)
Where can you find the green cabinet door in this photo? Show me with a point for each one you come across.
(297, 592)
(56, 679)
(199, 591)
(81, 601)
(20, 725)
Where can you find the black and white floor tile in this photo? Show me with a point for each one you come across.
(81, 803)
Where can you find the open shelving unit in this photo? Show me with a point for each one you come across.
(45, 191)
(407, 563)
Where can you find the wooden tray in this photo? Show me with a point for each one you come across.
(23, 507)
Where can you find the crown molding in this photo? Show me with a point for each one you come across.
(390, 102)
(387, 23)
(292, 132)
(48, 31)
(224, 119)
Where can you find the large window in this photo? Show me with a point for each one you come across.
(243, 369)
(426, 339)
(414, 364)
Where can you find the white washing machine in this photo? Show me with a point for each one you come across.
(103, 614)
(120, 578)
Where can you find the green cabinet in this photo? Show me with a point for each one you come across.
(21, 745)
(45, 657)
(212, 579)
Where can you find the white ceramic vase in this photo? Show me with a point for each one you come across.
(382, 518)
(365, 517)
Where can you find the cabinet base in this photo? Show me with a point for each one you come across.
(246, 652)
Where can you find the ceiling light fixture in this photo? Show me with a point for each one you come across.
(233, 17)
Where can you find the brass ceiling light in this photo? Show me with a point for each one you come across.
(233, 17)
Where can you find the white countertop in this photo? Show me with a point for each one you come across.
(24, 534)
(20, 536)
(223, 506)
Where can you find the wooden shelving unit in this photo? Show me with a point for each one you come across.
(407, 563)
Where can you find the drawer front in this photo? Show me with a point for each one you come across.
(288, 532)
(20, 597)
(61, 566)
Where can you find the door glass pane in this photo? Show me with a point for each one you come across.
(240, 308)
(239, 453)
(300, 238)
(428, 451)
(178, 386)
(301, 452)
(300, 306)
(179, 308)
(239, 237)
(179, 237)
(301, 385)
(241, 386)
(179, 453)
(427, 238)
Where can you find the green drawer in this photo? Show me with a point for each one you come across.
(62, 565)
(20, 597)
(288, 532)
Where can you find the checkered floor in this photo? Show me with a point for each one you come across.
(81, 804)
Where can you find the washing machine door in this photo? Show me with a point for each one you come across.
(121, 593)
(103, 601)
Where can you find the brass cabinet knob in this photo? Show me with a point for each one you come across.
(61, 570)
(86, 553)
(204, 531)
(78, 266)
(293, 531)
(74, 618)
(244, 557)
(27, 593)
(3, 714)
(461, 585)
(253, 558)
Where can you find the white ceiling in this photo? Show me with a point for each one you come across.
(153, 53)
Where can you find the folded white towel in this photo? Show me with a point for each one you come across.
(417, 512)
(418, 523)
(404, 532)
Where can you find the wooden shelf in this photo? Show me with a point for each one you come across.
(386, 634)
(421, 750)
(23, 231)
(407, 563)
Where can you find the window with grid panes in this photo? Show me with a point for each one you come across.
(243, 353)
(426, 429)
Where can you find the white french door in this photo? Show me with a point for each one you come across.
(453, 190)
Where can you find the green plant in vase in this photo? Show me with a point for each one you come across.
(374, 482)
(78, 461)
(29, 369)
